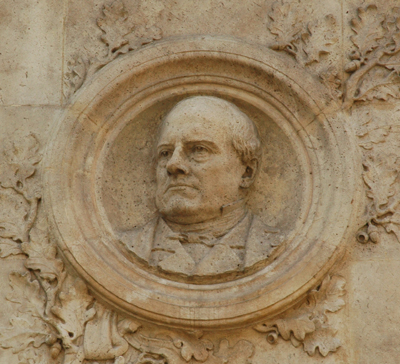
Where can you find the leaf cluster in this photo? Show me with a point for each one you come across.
(305, 40)
(307, 324)
(374, 62)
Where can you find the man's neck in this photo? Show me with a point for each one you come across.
(231, 214)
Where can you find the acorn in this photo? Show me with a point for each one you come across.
(272, 337)
(50, 340)
(355, 55)
(374, 237)
(362, 237)
(373, 233)
(55, 350)
(352, 66)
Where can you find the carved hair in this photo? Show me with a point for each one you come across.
(244, 133)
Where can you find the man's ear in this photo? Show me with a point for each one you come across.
(249, 174)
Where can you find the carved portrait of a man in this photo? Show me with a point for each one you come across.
(206, 158)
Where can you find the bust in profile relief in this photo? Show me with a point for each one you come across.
(206, 158)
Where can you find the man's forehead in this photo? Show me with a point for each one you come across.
(193, 125)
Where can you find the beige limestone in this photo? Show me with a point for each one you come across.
(85, 88)
(31, 52)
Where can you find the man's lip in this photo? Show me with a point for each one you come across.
(180, 185)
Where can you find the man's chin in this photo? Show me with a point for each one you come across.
(178, 207)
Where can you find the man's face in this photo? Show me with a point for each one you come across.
(198, 171)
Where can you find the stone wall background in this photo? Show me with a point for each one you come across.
(39, 38)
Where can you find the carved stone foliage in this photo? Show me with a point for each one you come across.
(56, 319)
(132, 342)
(122, 33)
(55, 310)
(374, 61)
(55, 315)
(96, 134)
(305, 38)
(51, 308)
(307, 324)
(379, 141)
(19, 192)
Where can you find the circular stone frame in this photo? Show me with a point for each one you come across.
(199, 65)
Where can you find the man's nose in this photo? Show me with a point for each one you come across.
(177, 164)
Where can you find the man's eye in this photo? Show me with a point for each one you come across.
(199, 149)
(165, 153)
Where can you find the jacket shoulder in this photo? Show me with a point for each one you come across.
(261, 242)
(139, 240)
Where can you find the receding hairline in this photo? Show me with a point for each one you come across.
(242, 131)
(195, 102)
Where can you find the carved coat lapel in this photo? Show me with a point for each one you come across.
(220, 259)
(247, 243)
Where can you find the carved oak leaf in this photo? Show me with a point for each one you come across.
(115, 26)
(42, 260)
(307, 323)
(380, 84)
(31, 356)
(238, 354)
(306, 41)
(285, 25)
(298, 322)
(28, 328)
(390, 221)
(19, 163)
(26, 293)
(329, 296)
(370, 134)
(39, 243)
(17, 167)
(375, 61)
(298, 326)
(321, 36)
(158, 350)
(368, 28)
(379, 175)
(122, 33)
(191, 346)
(105, 336)
(394, 227)
(324, 339)
(164, 346)
(25, 331)
(42, 255)
(142, 35)
(74, 78)
(73, 310)
(392, 25)
(14, 210)
(9, 247)
(294, 326)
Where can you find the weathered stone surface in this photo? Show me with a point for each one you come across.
(374, 310)
(199, 182)
(31, 52)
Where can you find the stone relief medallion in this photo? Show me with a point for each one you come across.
(201, 182)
